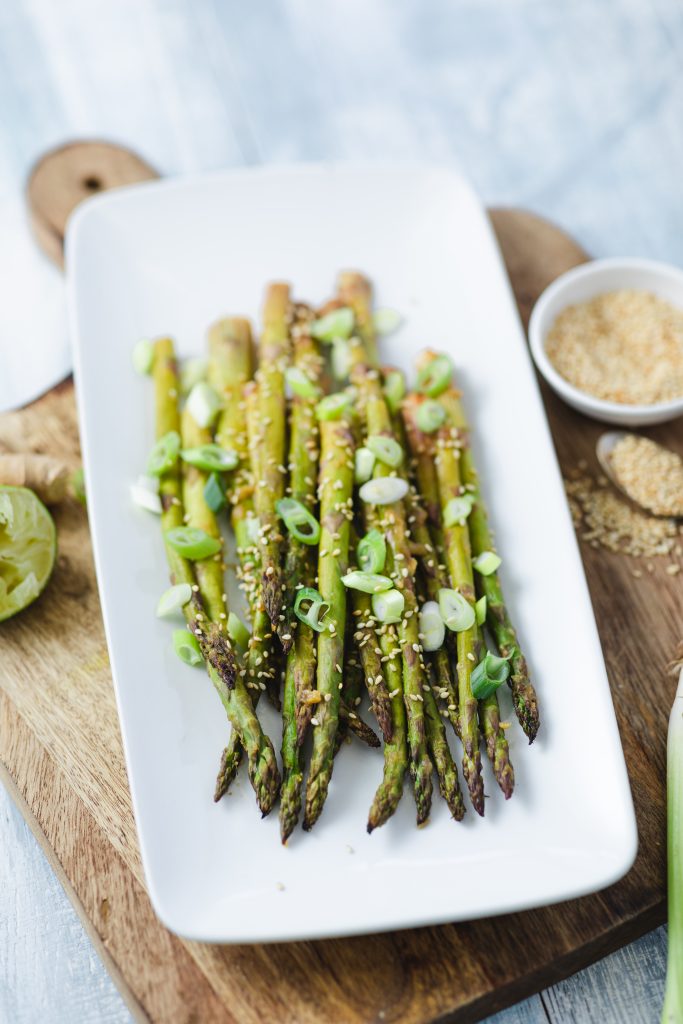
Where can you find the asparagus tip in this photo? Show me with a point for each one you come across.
(230, 762)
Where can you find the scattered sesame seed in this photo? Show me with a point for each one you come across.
(601, 516)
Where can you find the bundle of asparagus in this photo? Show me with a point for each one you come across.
(364, 551)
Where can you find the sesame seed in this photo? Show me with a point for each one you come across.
(623, 346)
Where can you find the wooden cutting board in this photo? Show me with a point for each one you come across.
(60, 745)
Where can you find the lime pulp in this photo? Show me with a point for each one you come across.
(28, 548)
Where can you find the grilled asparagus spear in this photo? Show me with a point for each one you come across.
(215, 646)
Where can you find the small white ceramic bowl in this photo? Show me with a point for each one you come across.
(580, 285)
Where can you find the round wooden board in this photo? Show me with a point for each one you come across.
(60, 743)
(64, 177)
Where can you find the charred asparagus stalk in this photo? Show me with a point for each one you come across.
(230, 367)
(270, 485)
(523, 693)
(434, 577)
(354, 291)
(390, 790)
(365, 637)
(209, 571)
(336, 513)
(350, 721)
(459, 563)
(446, 770)
(299, 571)
(496, 744)
(215, 646)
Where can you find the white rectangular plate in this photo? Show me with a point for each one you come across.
(170, 257)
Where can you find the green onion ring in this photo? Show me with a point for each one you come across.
(301, 385)
(429, 416)
(336, 324)
(435, 377)
(388, 606)
(192, 543)
(458, 509)
(456, 611)
(386, 449)
(186, 646)
(296, 516)
(312, 616)
(488, 675)
(211, 458)
(164, 454)
(332, 406)
(367, 582)
(372, 551)
(487, 562)
(394, 389)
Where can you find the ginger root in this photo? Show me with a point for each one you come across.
(46, 476)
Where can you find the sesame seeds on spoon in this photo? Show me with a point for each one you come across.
(650, 475)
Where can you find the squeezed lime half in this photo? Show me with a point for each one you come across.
(28, 548)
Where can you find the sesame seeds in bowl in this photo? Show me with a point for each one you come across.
(607, 336)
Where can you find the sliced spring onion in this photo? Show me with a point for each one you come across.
(386, 321)
(456, 611)
(480, 610)
(487, 562)
(372, 551)
(341, 359)
(187, 647)
(164, 454)
(214, 493)
(145, 493)
(210, 457)
(315, 611)
(192, 371)
(388, 606)
(253, 529)
(458, 509)
(300, 383)
(435, 376)
(203, 404)
(432, 628)
(364, 462)
(337, 324)
(332, 406)
(238, 632)
(192, 543)
(143, 356)
(430, 415)
(386, 449)
(489, 674)
(368, 582)
(173, 599)
(298, 520)
(394, 389)
(384, 490)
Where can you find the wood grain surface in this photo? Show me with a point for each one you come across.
(60, 743)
